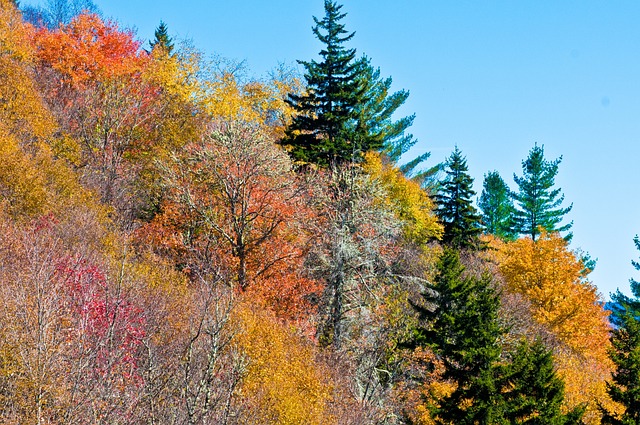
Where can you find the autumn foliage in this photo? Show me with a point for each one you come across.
(553, 281)
(163, 260)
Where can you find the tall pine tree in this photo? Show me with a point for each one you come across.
(538, 204)
(321, 132)
(460, 324)
(533, 392)
(497, 207)
(347, 108)
(162, 39)
(624, 386)
(455, 210)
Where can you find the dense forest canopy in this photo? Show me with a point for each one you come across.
(185, 244)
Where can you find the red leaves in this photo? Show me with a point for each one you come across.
(102, 315)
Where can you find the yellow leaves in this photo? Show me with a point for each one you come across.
(231, 99)
(14, 44)
(585, 383)
(21, 108)
(175, 75)
(253, 101)
(283, 384)
(419, 396)
(410, 203)
(32, 182)
(21, 184)
(551, 278)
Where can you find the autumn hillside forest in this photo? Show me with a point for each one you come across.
(182, 244)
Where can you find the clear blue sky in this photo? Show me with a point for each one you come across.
(493, 77)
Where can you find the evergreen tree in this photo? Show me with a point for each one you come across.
(347, 108)
(497, 207)
(534, 393)
(321, 132)
(624, 387)
(374, 124)
(162, 39)
(455, 206)
(539, 204)
(459, 321)
(461, 326)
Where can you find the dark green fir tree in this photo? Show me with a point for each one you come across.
(496, 205)
(162, 39)
(538, 203)
(462, 223)
(460, 324)
(533, 392)
(624, 386)
(321, 132)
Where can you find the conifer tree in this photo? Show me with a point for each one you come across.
(321, 131)
(533, 392)
(374, 124)
(455, 206)
(459, 321)
(461, 326)
(162, 39)
(497, 207)
(347, 108)
(624, 386)
(538, 203)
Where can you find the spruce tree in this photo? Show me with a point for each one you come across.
(533, 392)
(624, 386)
(455, 210)
(321, 132)
(162, 39)
(374, 122)
(347, 108)
(538, 204)
(460, 324)
(496, 205)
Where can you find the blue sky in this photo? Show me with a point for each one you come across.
(492, 77)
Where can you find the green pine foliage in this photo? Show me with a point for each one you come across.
(455, 210)
(162, 39)
(321, 131)
(461, 326)
(375, 125)
(496, 205)
(534, 393)
(459, 322)
(538, 203)
(624, 386)
(347, 108)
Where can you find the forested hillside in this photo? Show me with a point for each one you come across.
(185, 245)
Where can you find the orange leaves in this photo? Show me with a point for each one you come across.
(21, 109)
(233, 209)
(90, 49)
(551, 278)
